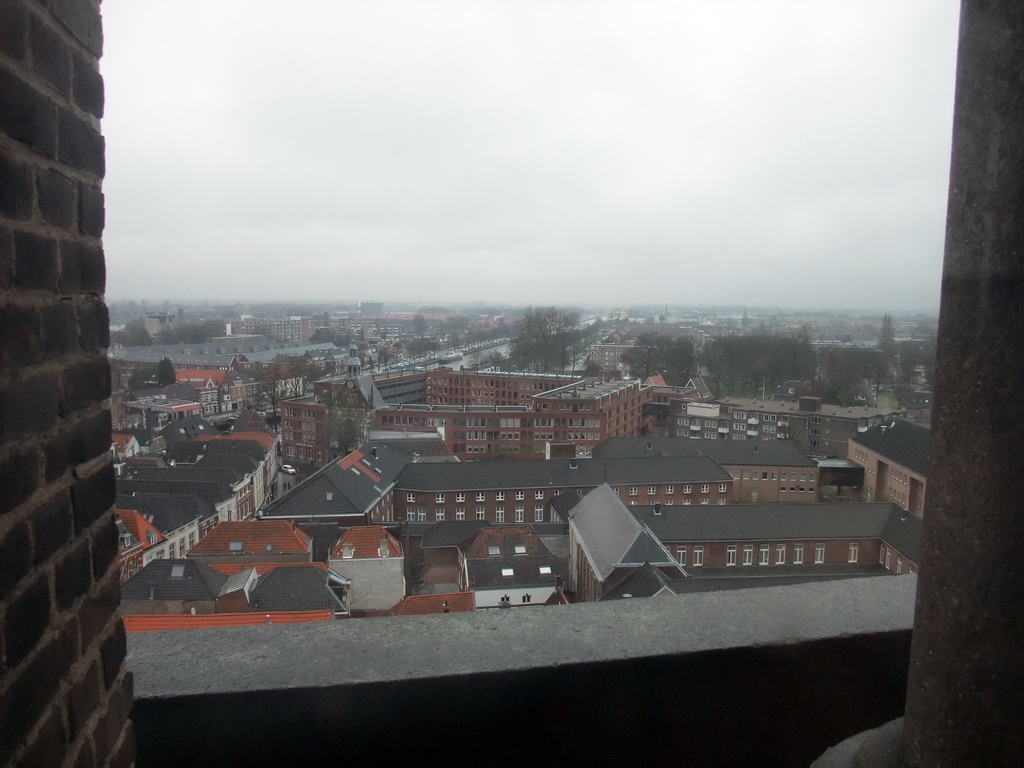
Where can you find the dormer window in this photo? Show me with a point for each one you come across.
(270, 547)
(348, 551)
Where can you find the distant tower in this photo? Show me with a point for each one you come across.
(355, 365)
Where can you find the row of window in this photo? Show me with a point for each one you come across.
(764, 554)
(440, 515)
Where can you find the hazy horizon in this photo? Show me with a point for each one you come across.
(614, 154)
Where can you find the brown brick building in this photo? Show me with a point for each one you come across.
(895, 460)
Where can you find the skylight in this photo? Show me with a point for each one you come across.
(177, 571)
(234, 546)
(507, 572)
(493, 550)
(520, 549)
(545, 570)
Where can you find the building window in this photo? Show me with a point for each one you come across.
(439, 499)
(411, 498)
(748, 554)
(698, 555)
(723, 488)
(705, 501)
(652, 490)
(669, 490)
(706, 488)
(539, 495)
(423, 515)
(632, 490)
(520, 513)
(681, 555)
(460, 497)
(819, 553)
(899, 565)
(730, 555)
(798, 554)
(499, 495)
(481, 496)
(780, 554)
(687, 488)
(460, 513)
(852, 558)
(520, 495)
(686, 502)
(479, 513)
(410, 515)
(538, 513)
(439, 515)
(499, 514)
(762, 555)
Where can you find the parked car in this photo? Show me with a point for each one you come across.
(288, 469)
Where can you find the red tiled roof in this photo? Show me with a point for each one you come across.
(156, 622)
(282, 536)
(354, 459)
(421, 605)
(366, 542)
(657, 380)
(138, 526)
(230, 569)
(122, 440)
(201, 376)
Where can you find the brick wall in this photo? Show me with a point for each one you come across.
(64, 692)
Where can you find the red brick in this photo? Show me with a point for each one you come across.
(52, 525)
(19, 477)
(13, 29)
(26, 619)
(91, 497)
(15, 188)
(28, 117)
(51, 59)
(35, 262)
(80, 144)
(15, 557)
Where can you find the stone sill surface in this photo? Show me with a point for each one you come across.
(229, 660)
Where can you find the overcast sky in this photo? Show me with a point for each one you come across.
(769, 152)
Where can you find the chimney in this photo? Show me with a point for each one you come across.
(382, 550)
(444, 606)
(657, 510)
(373, 452)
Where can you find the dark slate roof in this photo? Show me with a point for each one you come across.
(186, 429)
(564, 502)
(294, 588)
(347, 487)
(165, 511)
(208, 493)
(485, 569)
(154, 582)
(903, 531)
(185, 451)
(589, 473)
(780, 453)
(249, 421)
(901, 442)
(424, 448)
(223, 477)
(451, 533)
(644, 581)
(240, 463)
(771, 576)
(771, 522)
(324, 536)
(251, 448)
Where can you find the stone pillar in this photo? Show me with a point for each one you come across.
(965, 701)
(64, 692)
